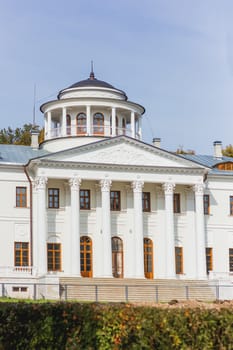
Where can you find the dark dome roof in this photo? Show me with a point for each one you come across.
(93, 82)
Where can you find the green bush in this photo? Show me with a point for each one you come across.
(75, 326)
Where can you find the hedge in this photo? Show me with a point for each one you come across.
(92, 326)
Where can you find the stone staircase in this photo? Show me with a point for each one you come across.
(135, 290)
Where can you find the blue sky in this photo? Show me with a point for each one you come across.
(174, 57)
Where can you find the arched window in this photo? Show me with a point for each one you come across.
(86, 256)
(148, 258)
(68, 124)
(123, 126)
(98, 124)
(117, 257)
(81, 123)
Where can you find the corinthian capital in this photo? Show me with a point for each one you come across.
(168, 187)
(75, 183)
(199, 188)
(137, 185)
(105, 184)
(40, 182)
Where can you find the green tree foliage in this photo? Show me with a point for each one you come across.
(228, 151)
(20, 136)
(181, 150)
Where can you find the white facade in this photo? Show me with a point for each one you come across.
(138, 210)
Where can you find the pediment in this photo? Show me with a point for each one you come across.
(122, 152)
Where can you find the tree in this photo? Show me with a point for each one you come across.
(20, 136)
(228, 151)
(181, 150)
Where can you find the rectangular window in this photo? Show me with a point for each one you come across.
(54, 256)
(115, 200)
(21, 254)
(146, 201)
(179, 260)
(176, 202)
(231, 259)
(21, 197)
(53, 198)
(209, 259)
(206, 204)
(85, 199)
(231, 205)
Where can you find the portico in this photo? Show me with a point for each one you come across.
(119, 212)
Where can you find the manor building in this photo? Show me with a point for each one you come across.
(94, 200)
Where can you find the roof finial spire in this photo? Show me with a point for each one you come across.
(92, 75)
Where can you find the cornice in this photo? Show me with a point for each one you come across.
(45, 163)
(83, 100)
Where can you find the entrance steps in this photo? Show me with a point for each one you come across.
(136, 290)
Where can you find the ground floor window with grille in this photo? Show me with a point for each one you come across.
(21, 254)
(54, 256)
(231, 259)
(209, 259)
(148, 258)
(179, 260)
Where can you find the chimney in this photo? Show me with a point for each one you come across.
(218, 149)
(157, 142)
(34, 138)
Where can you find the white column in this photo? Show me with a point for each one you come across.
(169, 229)
(49, 124)
(113, 121)
(138, 228)
(140, 127)
(88, 112)
(106, 227)
(132, 122)
(64, 121)
(200, 232)
(45, 126)
(75, 226)
(41, 223)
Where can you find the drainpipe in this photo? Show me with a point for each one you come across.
(31, 227)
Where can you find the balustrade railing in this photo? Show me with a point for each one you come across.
(95, 130)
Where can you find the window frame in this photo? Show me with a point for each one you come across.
(148, 258)
(53, 198)
(115, 201)
(24, 247)
(231, 205)
(209, 259)
(81, 123)
(206, 204)
(117, 257)
(179, 260)
(87, 204)
(176, 203)
(98, 123)
(146, 202)
(53, 266)
(21, 197)
(230, 259)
